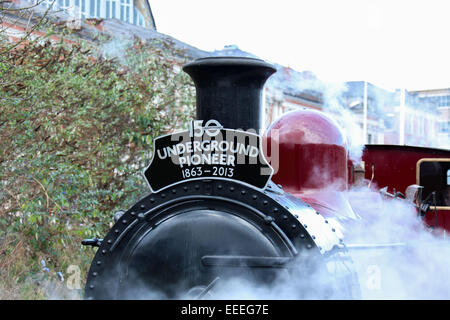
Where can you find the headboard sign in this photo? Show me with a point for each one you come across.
(208, 151)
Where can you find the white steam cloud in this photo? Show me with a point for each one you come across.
(415, 265)
(116, 48)
(418, 269)
(290, 82)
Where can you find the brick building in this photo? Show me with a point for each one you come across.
(393, 117)
(74, 14)
(289, 90)
(380, 116)
(136, 12)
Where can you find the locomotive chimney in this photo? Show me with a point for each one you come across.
(229, 90)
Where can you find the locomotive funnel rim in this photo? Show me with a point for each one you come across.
(229, 61)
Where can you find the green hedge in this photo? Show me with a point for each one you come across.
(76, 131)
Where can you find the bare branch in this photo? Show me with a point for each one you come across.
(10, 9)
(35, 27)
(47, 196)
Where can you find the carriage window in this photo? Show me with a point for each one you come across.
(435, 176)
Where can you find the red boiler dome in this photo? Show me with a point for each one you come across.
(312, 152)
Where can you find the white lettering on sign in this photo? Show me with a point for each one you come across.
(203, 151)
(211, 128)
(208, 151)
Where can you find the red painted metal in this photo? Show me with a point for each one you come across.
(312, 161)
(312, 151)
(312, 164)
(395, 167)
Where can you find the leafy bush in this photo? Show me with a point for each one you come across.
(76, 132)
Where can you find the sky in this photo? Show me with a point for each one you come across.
(393, 44)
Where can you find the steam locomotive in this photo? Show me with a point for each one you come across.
(219, 211)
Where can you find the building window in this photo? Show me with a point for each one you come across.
(421, 126)
(125, 9)
(410, 123)
(113, 9)
(139, 19)
(83, 8)
(369, 138)
(444, 127)
(444, 101)
(92, 8)
(108, 9)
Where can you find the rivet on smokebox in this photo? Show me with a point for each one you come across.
(124, 221)
(117, 231)
(91, 286)
(143, 206)
(197, 187)
(275, 210)
(255, 197)
(185, 188)
(302, 235)
(219, 187)
(141, 216)
(163, 195)
(103, 251)
(268, 219)
(109, 241)
(95, 274)
(243, 192)
(174, 191)
(309, 246)
(118, 215)
(265, 202)
(231, 189)
(151, 200)
(99, 262)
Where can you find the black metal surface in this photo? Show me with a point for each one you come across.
(94, 242)
(229, 89)
(158, 244)
(165, 171)
(246, 261)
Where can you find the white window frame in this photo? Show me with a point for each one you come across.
(84, 10)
